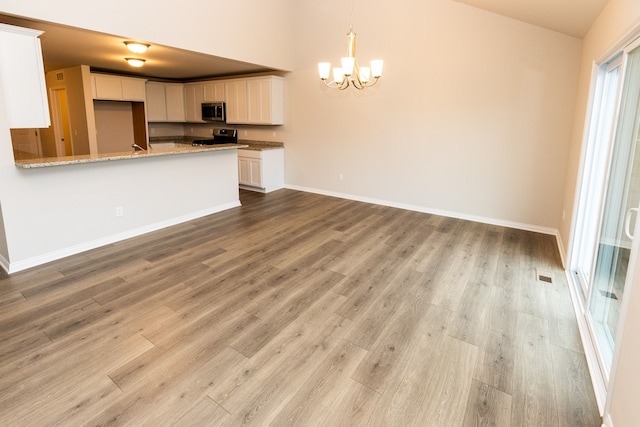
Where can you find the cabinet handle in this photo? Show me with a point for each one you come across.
(627, 222)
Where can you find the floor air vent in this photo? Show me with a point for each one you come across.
(544, 276)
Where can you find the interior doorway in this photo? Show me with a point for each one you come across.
(61, 125)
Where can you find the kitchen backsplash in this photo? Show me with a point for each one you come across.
(257, 133)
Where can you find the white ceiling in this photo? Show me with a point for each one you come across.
(65, 46)
(571, 17)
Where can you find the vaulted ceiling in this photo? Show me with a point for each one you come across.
(66, 46)
(571, 17)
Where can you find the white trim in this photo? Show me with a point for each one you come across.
(597, 377)
(561, 250)
(607, 421)
(4, 263)
(417, 208)
(82, 247)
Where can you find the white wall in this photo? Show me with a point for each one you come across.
(472, 116)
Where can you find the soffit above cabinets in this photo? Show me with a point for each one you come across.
(64, 46)
(571, 17)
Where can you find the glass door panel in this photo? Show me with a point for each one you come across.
(595, 169)
(622, 196)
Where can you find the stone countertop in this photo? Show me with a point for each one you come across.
(261, 145)
(249, 144)
(126, 155)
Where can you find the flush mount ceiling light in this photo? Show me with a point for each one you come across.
(137, 47)
(351, 74)
(135, 62)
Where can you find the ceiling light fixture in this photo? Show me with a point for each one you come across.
(351, 74)
(137, 47)
(135, 62)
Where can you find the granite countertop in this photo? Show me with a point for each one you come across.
(94, 158)
(261, 145)
(248, 144)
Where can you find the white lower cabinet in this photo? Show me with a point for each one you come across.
(261, 170)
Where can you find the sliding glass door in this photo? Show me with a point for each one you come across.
(609, 200)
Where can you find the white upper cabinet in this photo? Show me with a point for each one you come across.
(165, 102)
(236, 99)
(265, 100)
(193, 99)
(255, 100)
(213, 91)
(116, 88)
(22, 77)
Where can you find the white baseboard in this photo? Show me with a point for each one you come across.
(607, 421)
(423, 209)
(13, 267)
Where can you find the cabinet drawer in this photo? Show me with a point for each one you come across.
(251, 154)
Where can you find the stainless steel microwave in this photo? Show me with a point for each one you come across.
(213, 112)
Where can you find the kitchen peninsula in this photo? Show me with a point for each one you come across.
(113, 197)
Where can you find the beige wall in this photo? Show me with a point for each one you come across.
(472, 117)
(114, 126)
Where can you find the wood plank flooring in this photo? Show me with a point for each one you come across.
(298, 310)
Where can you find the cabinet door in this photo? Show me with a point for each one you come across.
(236, 99)
(23, 78)
(265, 100)
(256, 172)
(156, 102)
(175, 102)
(108, 87)
(244, 171)
(258, 96)
(133, 89)
(213, 91)
(193, 98)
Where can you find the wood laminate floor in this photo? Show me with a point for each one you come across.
(298, 309)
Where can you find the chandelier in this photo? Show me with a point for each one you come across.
(350, 73)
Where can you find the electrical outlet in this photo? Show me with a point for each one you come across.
(340, 177)
(119, 211)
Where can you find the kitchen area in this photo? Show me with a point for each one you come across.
(134, 116)
(106, 155)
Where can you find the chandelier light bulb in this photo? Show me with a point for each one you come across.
(324, 69)
(376, 67)
(365, 73)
